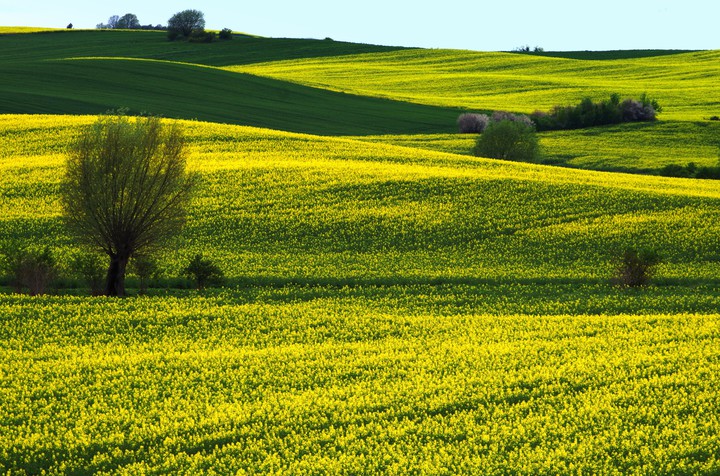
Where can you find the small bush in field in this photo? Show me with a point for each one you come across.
(202, 36)
(145, 269)
(470, 123)
(499, 116)
(92, 269)
(636, 267)
(508, 140)
(30, 268)
(226, 34)
(203, 272)
(633, 110)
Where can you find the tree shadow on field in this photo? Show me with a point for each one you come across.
(501, 296)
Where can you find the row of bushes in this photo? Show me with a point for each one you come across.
(691, 170)
(35, 270)
(473, 123)
(202, 36)
(589, 114)
(585, 114)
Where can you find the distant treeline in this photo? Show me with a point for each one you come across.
(129, 21)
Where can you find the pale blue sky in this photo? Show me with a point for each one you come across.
(475, 24)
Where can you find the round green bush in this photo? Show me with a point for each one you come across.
(508, 140)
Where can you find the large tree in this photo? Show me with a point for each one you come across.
(186, 21)
(129, 21)
(126, 189)
(113, 21)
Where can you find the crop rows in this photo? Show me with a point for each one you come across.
(646, 147)
(505, 81)
(283, 206)
(394, 311)
(349, 385)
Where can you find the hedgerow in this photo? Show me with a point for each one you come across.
(589, 114)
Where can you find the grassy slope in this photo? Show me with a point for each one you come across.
(642, 147)
(38, 78)
(477, 334)
(510, 81)
(449, 315)
(684, 84)
(610, 55)
(279, 207)
(296, 382)
(243, 49)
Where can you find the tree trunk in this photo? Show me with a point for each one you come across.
(115, 283)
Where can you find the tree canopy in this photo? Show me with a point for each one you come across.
(126, 189)
(129, 21)
(186, 21)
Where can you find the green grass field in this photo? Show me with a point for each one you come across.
(508, 81)
(393, 304)
(43, 73)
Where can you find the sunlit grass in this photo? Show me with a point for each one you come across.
(684, 84)
(282, 206)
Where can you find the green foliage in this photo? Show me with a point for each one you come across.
(590, 114)
(203, 272)
(225, 34)
(30, 267)
(125, 189)
(186, 22)
(636, 267)
(508, 140)
(129, 21)
(145, 268)
(691, 170)
(202, 36)
(92, 269)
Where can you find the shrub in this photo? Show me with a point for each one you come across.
(173, 35)
(691, 170)
(203, 272)
(226, 34)
(708, 173)
(32, 268)
(508, 140)
(202, 36)
(499, 116)
(91, 269)
(470, 123)
(633, 110)
(636, 267)
(146, 268)
(588, 113)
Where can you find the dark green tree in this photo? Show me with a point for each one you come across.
(126, 189)
(508, 140)
(129, 21)
(185, 22)
(203, 272)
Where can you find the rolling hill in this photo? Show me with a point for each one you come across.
(508, 81)
(393, 305)
(90, 72)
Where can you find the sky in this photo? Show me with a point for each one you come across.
(483, 25)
